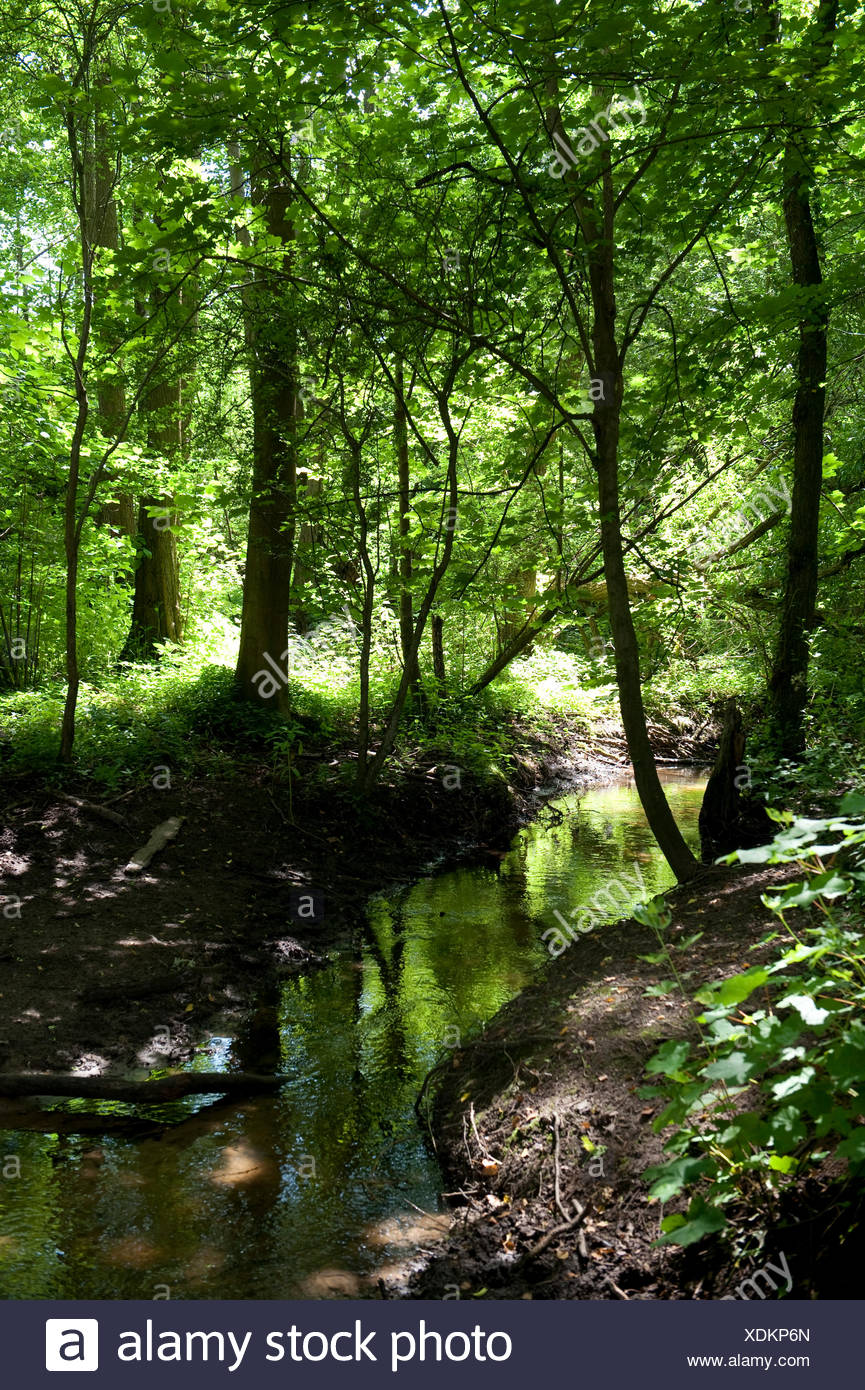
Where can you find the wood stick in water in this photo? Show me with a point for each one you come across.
(161, 1089)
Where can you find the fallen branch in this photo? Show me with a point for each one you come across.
(101, 812)
(160, 1089)
(162, 835)
(185, 1129)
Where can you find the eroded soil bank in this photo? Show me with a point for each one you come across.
(105, 971)
(520, 1117)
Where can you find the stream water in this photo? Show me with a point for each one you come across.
(319, 1190)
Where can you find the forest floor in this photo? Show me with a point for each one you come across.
(107, 972)
(514, 1115)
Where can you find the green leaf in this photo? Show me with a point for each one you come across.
(787, 1128)
(805, 1008)
(853, 1147)
(791, 1084)
(734, 990)
(783, 1165)
(668, 1060)
(702, 1220)
(668, 1179)
(737, 1067)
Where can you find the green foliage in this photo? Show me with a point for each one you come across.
(774, 1085)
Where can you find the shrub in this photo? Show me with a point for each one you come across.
(775, 1084)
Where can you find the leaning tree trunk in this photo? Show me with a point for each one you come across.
(270, 535)
(788, 686)
(597, 226)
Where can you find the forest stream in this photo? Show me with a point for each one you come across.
(329, 1185)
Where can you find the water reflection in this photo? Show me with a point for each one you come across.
(315, 1191)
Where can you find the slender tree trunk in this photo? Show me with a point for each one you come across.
(788, 685)
(597, 225)
(437, 627)
(365, 620)
(270, 535)
(111, 392)
(309, 535)
(72, 524)
(156, 611)
(375, 765)
(406, 616)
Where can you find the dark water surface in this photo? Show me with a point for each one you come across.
(318, 1190)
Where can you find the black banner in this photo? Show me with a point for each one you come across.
(501, 1344)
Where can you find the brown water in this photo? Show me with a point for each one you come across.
(317, 1191)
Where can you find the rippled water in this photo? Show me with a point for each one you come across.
(320, 1189)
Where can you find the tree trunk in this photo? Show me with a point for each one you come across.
(519, 606)
(661, 820)
(597, 225)
(156, 612)
(72, 523)
(136, 1092)
(111, 392)
(788, 685)
(406, 615)
(437, 626)
(368, 572)
(309, 535)
(270, 535)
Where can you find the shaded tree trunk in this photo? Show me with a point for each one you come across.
(111, 392)
(270, 534)
(156, 612)
(788, 685)
(309, 535)
(406, 615)
(437, 626)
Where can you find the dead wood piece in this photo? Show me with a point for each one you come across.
(18, 1115)
(101, 812)
(161, 836)
(164, 1088)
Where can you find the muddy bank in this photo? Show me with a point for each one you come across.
(540, 1117)
(106, 970)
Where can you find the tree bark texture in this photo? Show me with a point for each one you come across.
(270, 535)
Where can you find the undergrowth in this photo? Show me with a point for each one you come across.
(774, 1087)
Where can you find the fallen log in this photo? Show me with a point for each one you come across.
(161, 836)
(153, 1092)
(183, 1130)
(101, 812)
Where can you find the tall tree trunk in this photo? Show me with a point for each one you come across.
(80, 154)
(111, 392)
(788, 685)
(270, 535)
(406, 616)
(597, 225)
